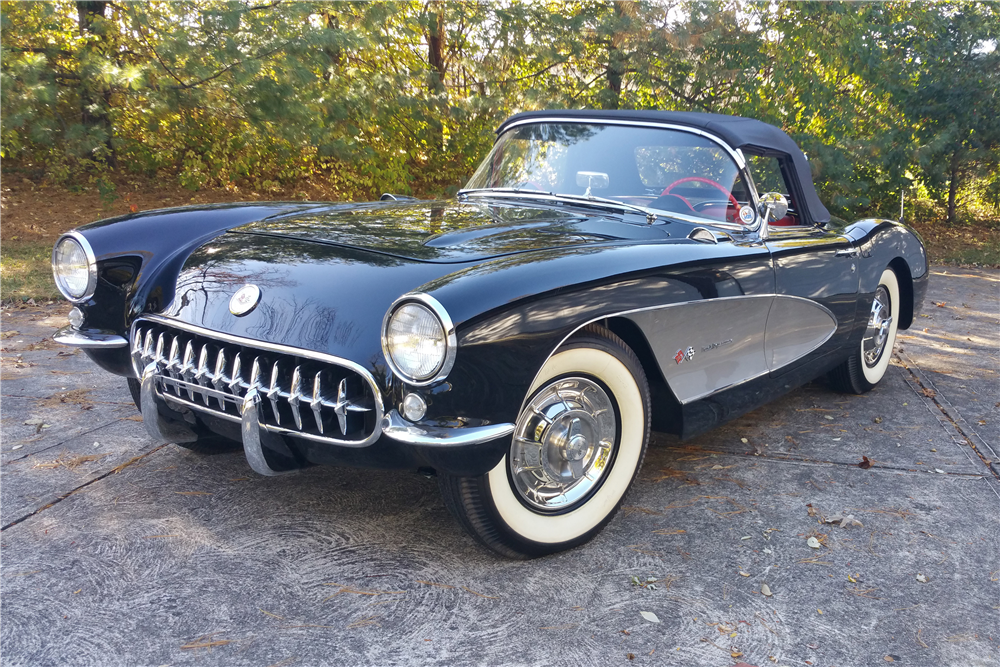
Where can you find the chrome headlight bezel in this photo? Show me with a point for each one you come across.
(80, 240)
(434, 307)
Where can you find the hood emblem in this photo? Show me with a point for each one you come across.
(245, 300)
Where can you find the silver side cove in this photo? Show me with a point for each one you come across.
(703, 347)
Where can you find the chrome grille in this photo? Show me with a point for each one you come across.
(302, 395)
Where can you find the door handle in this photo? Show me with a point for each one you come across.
(847, 252)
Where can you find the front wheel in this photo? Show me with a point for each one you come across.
(577, 445)
(868, 363)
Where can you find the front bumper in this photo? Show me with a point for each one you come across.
(397, 428)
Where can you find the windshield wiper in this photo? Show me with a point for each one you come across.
(516, 191)
(614, 202)
(591, 199)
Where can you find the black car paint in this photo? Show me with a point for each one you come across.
(517, 277)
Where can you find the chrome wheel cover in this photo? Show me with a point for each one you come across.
(563, 442)
(879, 323)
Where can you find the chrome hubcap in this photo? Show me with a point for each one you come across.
(563, 442)
(879, 323)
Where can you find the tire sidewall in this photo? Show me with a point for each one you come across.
(551, 532)
(874, 374)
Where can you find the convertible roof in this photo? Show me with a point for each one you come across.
(749, 134)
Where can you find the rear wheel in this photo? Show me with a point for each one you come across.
(868, 363)
(577, 446)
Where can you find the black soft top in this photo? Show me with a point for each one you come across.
(748, 134)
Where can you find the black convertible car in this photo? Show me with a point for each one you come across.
(602, 273)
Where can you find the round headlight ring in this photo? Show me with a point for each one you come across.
(86, 276)
(436, 310)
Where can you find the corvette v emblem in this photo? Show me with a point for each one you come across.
(245, 300)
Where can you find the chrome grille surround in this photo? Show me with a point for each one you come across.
(307, 394)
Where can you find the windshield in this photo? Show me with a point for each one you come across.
(664, 170)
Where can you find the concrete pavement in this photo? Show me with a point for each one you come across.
(117, 551)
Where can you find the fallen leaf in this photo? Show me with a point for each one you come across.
(865, 463)
(766, 590)
(630, 656)
(889, 658)
(810, 509)
(744, 574)
(735, 652)
(813, 543)
(649, 616)
(844, 520)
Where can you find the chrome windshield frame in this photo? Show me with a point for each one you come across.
(736, 155)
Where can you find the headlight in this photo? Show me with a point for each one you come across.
(418, 339)
(74, 267)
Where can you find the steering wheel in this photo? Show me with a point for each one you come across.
(699, 179)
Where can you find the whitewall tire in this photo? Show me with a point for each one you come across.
(577, 446)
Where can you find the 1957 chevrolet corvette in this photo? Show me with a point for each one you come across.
(601, 274)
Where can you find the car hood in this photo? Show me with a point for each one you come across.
(444, 231)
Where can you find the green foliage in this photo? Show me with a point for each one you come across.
(404, 96)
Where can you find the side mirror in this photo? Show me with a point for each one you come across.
(596, 180)
(773, 206)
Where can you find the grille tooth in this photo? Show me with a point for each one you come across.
(201, 374)
(295, 396)
(255, 375)
(147, 347)
(274, 391)
(304, 393)
(186, 370)
(174, 363)
(341, 408)
(234, 381)
(219, 379)
(317, 402)
(161, 346)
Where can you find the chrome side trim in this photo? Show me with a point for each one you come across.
(397, 428)
(88, 250)
(93, 339)
(446, 324)
(156, 426)
(624, 313)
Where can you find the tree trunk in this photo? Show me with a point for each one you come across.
(334, 53)
(435, 47)
(95, 97)
(953, 186)
(616, 61)
(435, 58)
